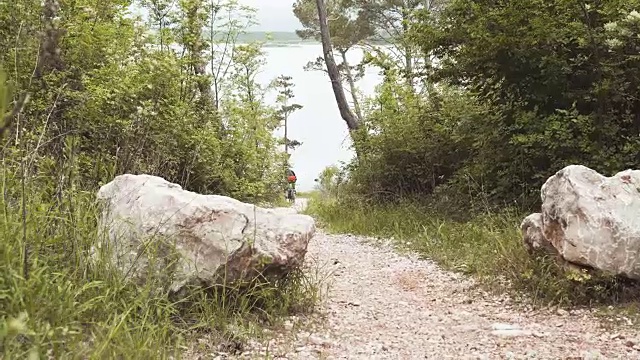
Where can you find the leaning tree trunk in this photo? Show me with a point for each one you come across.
(334, 74)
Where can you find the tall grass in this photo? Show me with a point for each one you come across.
(488, 247)
(55, 303)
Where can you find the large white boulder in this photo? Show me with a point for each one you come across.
(590, 220)
(155, 226)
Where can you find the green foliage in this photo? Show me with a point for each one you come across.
(510, 93)
(424, 153)
(68, 307)
(4, 93)
(518, 91)
(330, 184)
(111, 94)
(349, 25)
(563, 85)
(284, 85)
(137, 108)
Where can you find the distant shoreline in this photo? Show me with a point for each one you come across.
(274, 38)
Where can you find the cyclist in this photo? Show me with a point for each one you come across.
(291, 181)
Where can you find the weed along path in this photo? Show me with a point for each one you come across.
(383, 305)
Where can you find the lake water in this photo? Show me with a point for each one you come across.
(318, 124)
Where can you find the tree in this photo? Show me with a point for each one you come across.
(348, 28)
(192, 39)
(250, 124)
(134, 101)
(284, 86)
(227, 20)
(332, 69)
(390, 21)
(110, 94)
(521, 90)
(161, 12)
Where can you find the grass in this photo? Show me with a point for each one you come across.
(305, 194)
(56, 303)
(488, 247)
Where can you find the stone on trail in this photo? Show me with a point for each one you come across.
(533, 235)
(589, 220)
(508, 330)
(154, 226)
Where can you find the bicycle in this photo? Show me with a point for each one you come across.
(291, 193)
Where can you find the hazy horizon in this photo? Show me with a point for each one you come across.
(274, 15)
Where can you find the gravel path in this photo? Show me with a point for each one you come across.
(382, 305)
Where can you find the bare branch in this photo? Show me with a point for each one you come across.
(17, 109)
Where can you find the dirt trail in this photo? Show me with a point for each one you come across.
(382, 305)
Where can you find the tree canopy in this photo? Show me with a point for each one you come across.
(513, 92)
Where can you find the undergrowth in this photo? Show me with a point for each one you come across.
(488, 246)
(56, 303)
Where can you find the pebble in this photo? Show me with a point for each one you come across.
(391, 306)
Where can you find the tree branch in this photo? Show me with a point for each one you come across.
(7, 121)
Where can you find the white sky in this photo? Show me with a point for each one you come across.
(274, 15)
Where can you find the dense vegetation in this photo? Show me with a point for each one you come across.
(481, 102)
(500, 95)
(558, 80)
(87, 92)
